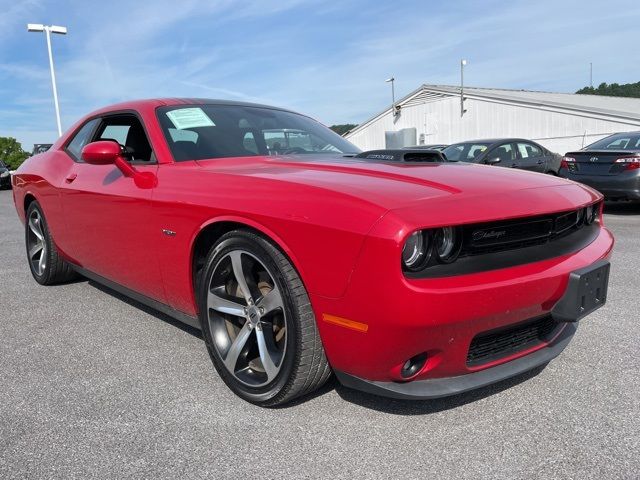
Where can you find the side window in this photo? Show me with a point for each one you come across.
(475, 151)
(619, 144)
(504, 152)
(127, 131)
(115, 132)
(528, 150)
(455, 153)
(249, 143)
(80, 139)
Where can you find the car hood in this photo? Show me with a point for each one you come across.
(402, 186)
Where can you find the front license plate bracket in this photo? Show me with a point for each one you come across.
(586, 292)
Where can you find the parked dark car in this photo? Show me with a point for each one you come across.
(5, 176)
(610, 165)
(506, 152)
(435, 146)
(40, 148)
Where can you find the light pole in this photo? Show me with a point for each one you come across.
(393, 96)
(463, 62)
(48, 30)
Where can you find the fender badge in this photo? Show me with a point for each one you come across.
(169, 233)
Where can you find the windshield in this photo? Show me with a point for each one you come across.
(199, 132)
(620, 141)
(465, 152)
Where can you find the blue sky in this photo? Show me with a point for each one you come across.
(326, 59)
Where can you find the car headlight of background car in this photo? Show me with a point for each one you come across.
(4, 174)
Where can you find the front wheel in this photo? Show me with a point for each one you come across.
(257, 321)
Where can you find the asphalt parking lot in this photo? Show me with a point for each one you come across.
(96, 386)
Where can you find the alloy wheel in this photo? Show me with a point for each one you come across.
(247, 318)
(36, 244)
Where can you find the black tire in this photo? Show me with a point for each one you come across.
(55, 269)
(303, 366)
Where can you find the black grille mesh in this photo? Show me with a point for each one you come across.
(509, 235)
(487, 347)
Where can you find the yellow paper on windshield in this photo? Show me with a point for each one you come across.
(189, 118)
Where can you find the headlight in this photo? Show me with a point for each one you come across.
(447, 244)
(4, 174)
(416, 251)
(588, 215)
(591, 213)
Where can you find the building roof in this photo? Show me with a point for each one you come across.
(597, 105)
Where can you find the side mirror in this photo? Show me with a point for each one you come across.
(493, 161)
(108, 152)
(103, 152)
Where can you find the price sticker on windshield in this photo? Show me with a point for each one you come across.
(184, 118)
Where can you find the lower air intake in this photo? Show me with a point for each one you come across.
(490, 346)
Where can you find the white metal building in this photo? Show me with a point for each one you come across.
(559, 121)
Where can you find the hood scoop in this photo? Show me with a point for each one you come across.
(404, 156)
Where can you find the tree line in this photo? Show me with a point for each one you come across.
(613, 90)
(11, 152)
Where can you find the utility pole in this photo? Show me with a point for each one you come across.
(463, 62)
(48, 30)
(393, 96)
(591, 74)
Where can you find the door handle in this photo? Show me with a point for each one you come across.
(540, 162)
(71, 178)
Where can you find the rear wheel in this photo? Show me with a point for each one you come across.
(258, 323)
(45, 263)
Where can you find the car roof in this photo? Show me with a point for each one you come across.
(496, 140)
(632, 132)
(168, 102)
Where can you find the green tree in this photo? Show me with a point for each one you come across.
(614, 90)
(343, 128)
(11, 152)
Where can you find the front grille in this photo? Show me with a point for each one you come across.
(490, 346)
(566, 221)
(507, 243)
(512, 234)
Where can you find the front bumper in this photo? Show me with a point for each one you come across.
(579, 300)
(5, 182)
(623, 186)
(441, 317)
(444, 387)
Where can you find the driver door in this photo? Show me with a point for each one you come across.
(530, 157)
(109, 219)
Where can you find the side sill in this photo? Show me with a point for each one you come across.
(138, 297)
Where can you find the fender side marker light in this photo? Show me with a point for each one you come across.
(345, 322)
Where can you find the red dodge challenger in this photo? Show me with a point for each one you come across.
(298, 256)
